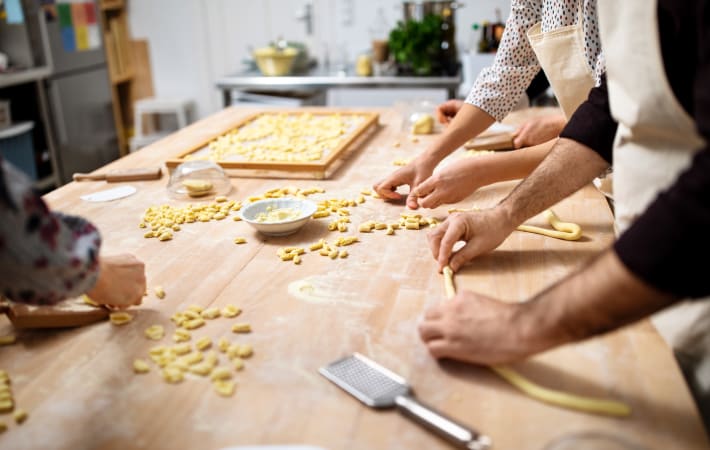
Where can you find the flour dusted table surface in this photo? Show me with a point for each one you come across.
(81, 393)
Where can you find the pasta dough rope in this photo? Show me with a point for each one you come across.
(543, 394)
(562, 230)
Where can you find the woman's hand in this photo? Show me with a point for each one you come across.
(412, 174)
(446, 111)
(121, 281)
(450, 185)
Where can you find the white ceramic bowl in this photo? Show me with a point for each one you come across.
(284, 227)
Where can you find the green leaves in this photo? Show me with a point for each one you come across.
(416, 44)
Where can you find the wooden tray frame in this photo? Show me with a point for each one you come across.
(316, 169)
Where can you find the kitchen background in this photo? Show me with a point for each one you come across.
(194, 42)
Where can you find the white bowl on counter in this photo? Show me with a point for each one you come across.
(283, 227)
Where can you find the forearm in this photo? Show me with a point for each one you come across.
(468, 123)
(511, 165)
(568, 167)
(601, 296)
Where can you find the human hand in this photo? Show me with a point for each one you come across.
(121, 281)
(449, 185)
(446, 111)
(539, 130)
(477, 329)
(482, 231)
(412, 174)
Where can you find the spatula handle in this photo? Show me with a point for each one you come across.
(454, 432)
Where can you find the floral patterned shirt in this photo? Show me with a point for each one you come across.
(498, 88)
(45, 256)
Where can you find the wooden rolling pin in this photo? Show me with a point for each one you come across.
(69, 313)
(112, 176)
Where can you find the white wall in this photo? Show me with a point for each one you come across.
(194, 42)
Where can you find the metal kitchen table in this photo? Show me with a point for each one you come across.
(319, 78)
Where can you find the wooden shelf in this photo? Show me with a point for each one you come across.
(122, 78)
(112, 5)
(119, 57)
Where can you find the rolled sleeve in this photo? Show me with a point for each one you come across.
(498, 88)
(592, 123)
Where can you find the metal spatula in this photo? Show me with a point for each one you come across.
(377, 387)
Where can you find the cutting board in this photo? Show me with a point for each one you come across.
(362, 122)
(72, 312)
(497, 137)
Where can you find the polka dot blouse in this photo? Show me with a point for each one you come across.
(45, 256)
(499, 88)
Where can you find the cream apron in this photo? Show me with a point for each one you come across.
(560, 53)
(655, 141)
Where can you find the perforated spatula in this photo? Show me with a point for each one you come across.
(379, 388)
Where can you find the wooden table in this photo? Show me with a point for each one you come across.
(81, 393)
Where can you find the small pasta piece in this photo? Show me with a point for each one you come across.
(343, 254)
(140, 366)
(317, 246)
(221, 373)
(159, 292)
(225, 388)
(203, 343)
(193, 358)
(211, 358)
(20, 415)
(241, 328)
(181, 335)
(120, 318)
(194, 323)
(245, 351)
(157, 350)
(231, 311)
(210, 313)
(6, 406)
(87, 300)
(8, 339)
(223, 345)
(196, 309)
(220, 199)
(240, 240)
(238, 363)
(155, 332)
(203, 369)
(182, 349)
(172, 375)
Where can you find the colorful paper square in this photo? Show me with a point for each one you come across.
(64, 10)
(68, 39)
(78, 14)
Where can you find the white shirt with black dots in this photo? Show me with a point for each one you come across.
(498, 88)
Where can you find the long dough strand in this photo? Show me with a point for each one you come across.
(562, 230)
(543, 394)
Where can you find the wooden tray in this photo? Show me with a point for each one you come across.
(363, 121)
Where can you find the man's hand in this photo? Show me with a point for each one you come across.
(539, 130)
(477, 329)
(121, 281)
(482, 231)
(412, 174)
(446, 111)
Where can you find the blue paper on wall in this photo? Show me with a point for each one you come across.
(13, 8)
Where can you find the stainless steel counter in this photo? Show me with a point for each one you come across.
(320, 79)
